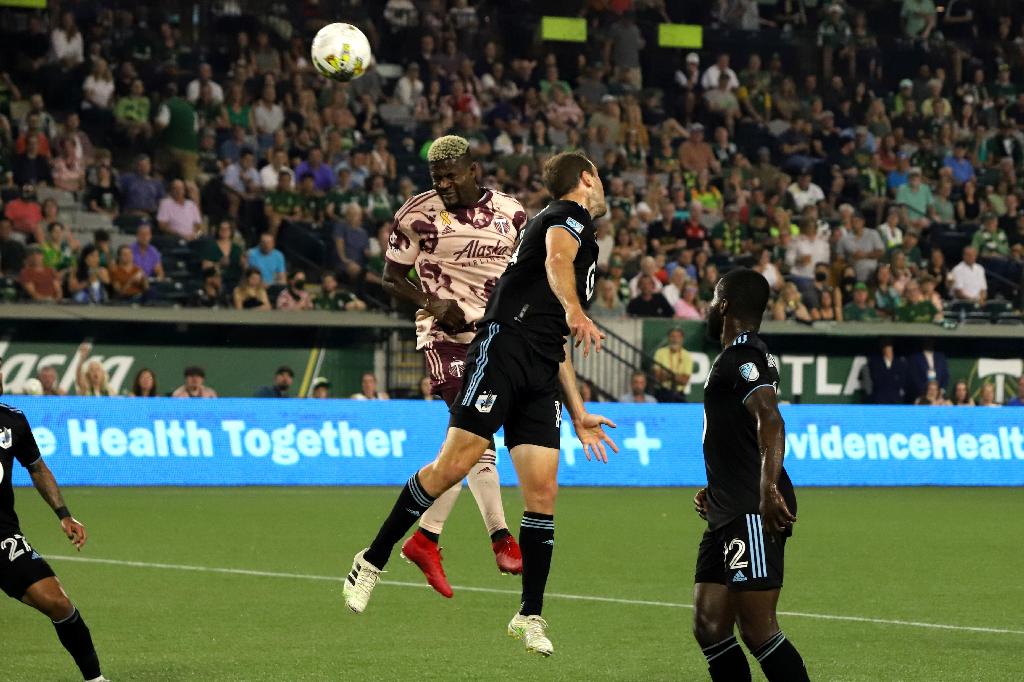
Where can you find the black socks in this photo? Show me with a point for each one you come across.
(74, 635)
(537, 542)
(430, 535)
(499, 534)
(780, 660)
(411, 503)
(726, 661)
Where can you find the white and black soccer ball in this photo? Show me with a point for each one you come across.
(341, 52)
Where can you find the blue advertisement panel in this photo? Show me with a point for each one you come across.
(163, 441)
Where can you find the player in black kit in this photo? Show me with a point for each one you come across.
(749, 502)
(513, 372)
(24, 575)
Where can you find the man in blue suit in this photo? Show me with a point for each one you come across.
(885, 381)
(924, 366)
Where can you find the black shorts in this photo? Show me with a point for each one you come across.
(508, 384)
(20, 565)
(741, 555)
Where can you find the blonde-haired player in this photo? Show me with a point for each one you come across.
(458, 237)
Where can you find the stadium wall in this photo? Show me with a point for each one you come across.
(161, 441)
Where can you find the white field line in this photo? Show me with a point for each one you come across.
(553, 595)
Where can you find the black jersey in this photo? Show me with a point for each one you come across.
(731, 454)
(16, 442)
(523, 301)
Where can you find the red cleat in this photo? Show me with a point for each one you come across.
(507, 555)
(426, 555)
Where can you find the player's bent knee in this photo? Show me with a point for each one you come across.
(709, 628)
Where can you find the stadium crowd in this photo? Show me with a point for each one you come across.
(139, 166)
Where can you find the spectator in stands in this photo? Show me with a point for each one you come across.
(268, 117)
(212, 293)
(141, 191)
(91, 378)
(104, 196)
(89, 281)
(243, 182)
(224, 252)
(689, 306)
(127, 280)
(178, 126)
(270, 174)
(967, 279)
(827, 308)
(862, 248)
(368, 389)
(885, 377)
(323, 176)
(695, 154)
(926, 365)
(859, 309)
(204, 77)
(790, 306)
(251, 292)
(637, 390)
(267, 260)
(131, 114)
(144, 254)
(932, 395)
(31, 167)
(321, 388)
(39, 281)
(351, 241)
(178, 215)
(916, 307)
(607, 304)
(50, 381)
(1017, 400)
(283, 378)
(917, 200)
(804, 253)
(144, 385)
(673, 367)
(987, 396)
(68, 172)
(887, 299)
(804, 192)
(649, 302)
(667, 234)
(295, 296)
(990, 241)
(12, 251)
(335, 299)
(713, 74)
(26, 213)
(959, 164)
(195, 385)
(59, 248)
(962, 395)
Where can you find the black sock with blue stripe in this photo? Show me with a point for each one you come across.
(780, 660)
(411, 504)
(537, 543)
(74, 634)
(726, 661)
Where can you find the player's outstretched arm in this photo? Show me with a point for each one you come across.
(46, 484)
(589, 427)
(561, 250)
(763, 404)
(446, 311)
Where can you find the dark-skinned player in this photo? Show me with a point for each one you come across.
(458, 238)
(24, 574)
(749, 502)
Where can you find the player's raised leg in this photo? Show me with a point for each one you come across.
(461, 449)
(537, 468)
(713, 620)
(48, 597)
(486, 489)
(759, 627)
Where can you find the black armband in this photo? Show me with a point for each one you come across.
(62, 513)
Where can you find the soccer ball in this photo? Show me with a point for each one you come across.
(341, 52)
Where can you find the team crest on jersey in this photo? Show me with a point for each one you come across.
(6, 439)
(456, 368)
(749, 371)
(485, 402)
(574, 224)
(501, 225)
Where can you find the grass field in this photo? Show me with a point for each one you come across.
(867, 569)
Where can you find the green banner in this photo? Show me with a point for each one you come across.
(809, 375)
(230, 370)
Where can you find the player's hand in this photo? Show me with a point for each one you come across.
(700, 503)
(448, 313)
(774, 512)
(75, 532)
(590, 432)
(584, 331)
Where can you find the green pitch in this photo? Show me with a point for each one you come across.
(947, 557)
